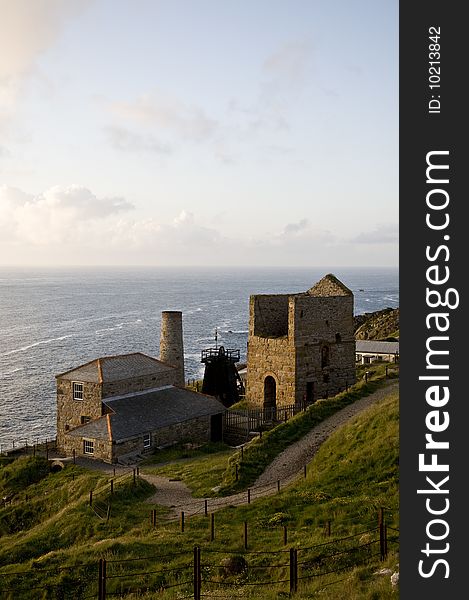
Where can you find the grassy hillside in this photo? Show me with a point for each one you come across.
(54, 552)
(379, 325)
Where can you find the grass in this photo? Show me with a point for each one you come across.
(201, 472)
(260, 452)
(354, 473)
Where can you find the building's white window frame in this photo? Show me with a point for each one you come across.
(77, 390)
(88, 447)
(147, 441)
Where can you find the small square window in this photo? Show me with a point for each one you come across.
(147, 440)
(77, 390)
(88, 446)
(85, 419)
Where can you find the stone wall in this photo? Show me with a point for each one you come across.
(103, 449)
(269, 315)
(139, 384)
(195, 430)
(70, 411)
(274, 357)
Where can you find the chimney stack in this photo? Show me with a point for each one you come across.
(171, 342)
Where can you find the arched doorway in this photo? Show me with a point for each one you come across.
(270, 397)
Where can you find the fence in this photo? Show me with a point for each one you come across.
(241, 424)
(204, 571)
(31, 446)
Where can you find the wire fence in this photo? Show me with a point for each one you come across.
(221, 569)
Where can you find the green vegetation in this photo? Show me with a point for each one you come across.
(379, 325)
(201, 469)
(354, 473)
(261, 451)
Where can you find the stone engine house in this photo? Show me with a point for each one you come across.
(301, 347)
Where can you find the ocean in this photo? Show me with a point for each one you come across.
(52, 320)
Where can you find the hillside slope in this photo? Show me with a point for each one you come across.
(378, 325)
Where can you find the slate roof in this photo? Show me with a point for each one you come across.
(376, 347)
(116, 368)
(141, 412)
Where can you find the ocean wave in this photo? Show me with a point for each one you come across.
(118, 326)
(41, 343)
(10, 373)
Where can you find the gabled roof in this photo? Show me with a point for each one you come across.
(376, 347)
(116, 368)
(329, 285)
(138, 413)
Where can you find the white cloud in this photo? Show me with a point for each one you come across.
(170, 116)
(385, 233)
(27, 29)
(71, 225)
(56, 216)
(130, 141)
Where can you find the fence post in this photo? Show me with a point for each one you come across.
(381, 534)
(285, 535)
(108, 512)
(197, 573)
(112, 486)
(278, 485)
(386, 370)
(245, 535)
(138, 471)
(305, 471)
(293, 570)
(249, 495)
(385, 540)
(91, 497)
(242, 452)
(102, 579)
(212, 527)
(182, 521)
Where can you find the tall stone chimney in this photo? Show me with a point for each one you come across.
(171, 342)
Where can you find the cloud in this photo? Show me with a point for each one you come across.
(58, 215)
(72, 225)
(386, 233)
(294, 228)
(129, 141)
(289, 64)
(27, 29)
(170, 116)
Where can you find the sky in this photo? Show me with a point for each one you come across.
(199, 132)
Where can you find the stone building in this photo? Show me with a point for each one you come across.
(131, 403)
(301, 347)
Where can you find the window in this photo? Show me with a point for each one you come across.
(338, 338)
(88, 446)
(147, 440)
(84, 419)
(77, 390)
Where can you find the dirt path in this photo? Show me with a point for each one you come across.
(286, 467)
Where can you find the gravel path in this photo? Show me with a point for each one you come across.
(286, 467)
